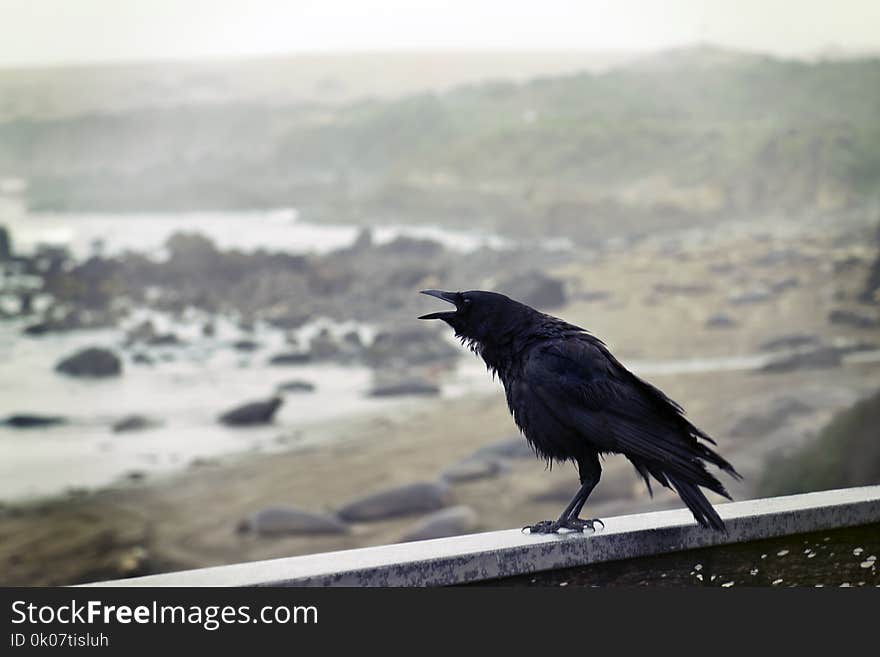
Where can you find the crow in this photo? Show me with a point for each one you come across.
(574, 401)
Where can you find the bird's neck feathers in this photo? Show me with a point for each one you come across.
(501, 348)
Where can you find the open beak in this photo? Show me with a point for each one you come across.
(446, 296)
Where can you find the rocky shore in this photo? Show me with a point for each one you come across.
(438, 466)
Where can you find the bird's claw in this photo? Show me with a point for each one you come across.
(553, 526)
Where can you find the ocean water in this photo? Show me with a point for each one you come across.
(278, 230)
(188, 386)
(186, 389)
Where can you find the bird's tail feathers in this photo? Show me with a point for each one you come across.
(704, 513)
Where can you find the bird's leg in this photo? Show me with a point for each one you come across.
(590, 471)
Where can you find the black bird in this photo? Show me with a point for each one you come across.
(574, 401)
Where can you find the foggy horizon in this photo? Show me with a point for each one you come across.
(46, 33)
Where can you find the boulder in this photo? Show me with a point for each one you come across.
(297, 385)
(398, 501)
(260, 412)
(819, 358)
(790, 341)
(26, 421)
(856, 319)
(245, 345)
(721, 321)
(166, 340)
(784, 284)
(593, 295)
(755, 295)
(683, 289)
(281, 520)
(92, 362)
(534, 289)
(324, 346)
(473, 469)
(397, 386)
(871, 291)
(453, 521)
(134, 423)
(5, 244)
(143, 332)
(410, 346)
(290, 358)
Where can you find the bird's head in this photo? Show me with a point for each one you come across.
(479, 317)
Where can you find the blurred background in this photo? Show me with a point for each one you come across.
(215, 219)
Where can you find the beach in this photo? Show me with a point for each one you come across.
(191, 516)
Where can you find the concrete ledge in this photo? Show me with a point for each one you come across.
(490, 555)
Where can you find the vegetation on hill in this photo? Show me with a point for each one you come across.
(846, 453)
(672, 140)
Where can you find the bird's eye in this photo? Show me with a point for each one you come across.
(467, 302)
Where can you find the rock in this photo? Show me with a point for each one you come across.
(352, 339)
(534, 289)
(412, 246)
(722, 268)
(783, 256)
(69, 321)
(784, 284)
(393, 386)
(144, 332)
(260, 412)
(472, 469)
(871, 291)
(399, 501)
(819, 358)
(453, 521)
(323, 346)
(280, 520)
(768, 421)
(92, 362)
(510, 448)
(166, 340)
(245, 345)
(755, 295)
(411, 346)
(290, 358)
(134, 423)
(143, 359)
(688, 289)
(209, 329)
(593, 295)
(721, 321)
(25, 421)
(297, 385)
(364, 240)
(5, 244)
(790, 341)
(856, 319)
(284, 317)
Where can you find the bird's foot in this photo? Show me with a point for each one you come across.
(553, 526)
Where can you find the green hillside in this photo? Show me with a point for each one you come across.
(846, 453)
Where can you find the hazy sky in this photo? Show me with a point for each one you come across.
(59, 31)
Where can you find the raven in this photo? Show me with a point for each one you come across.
(574, 401)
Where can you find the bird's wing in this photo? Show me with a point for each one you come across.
(579, 386)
